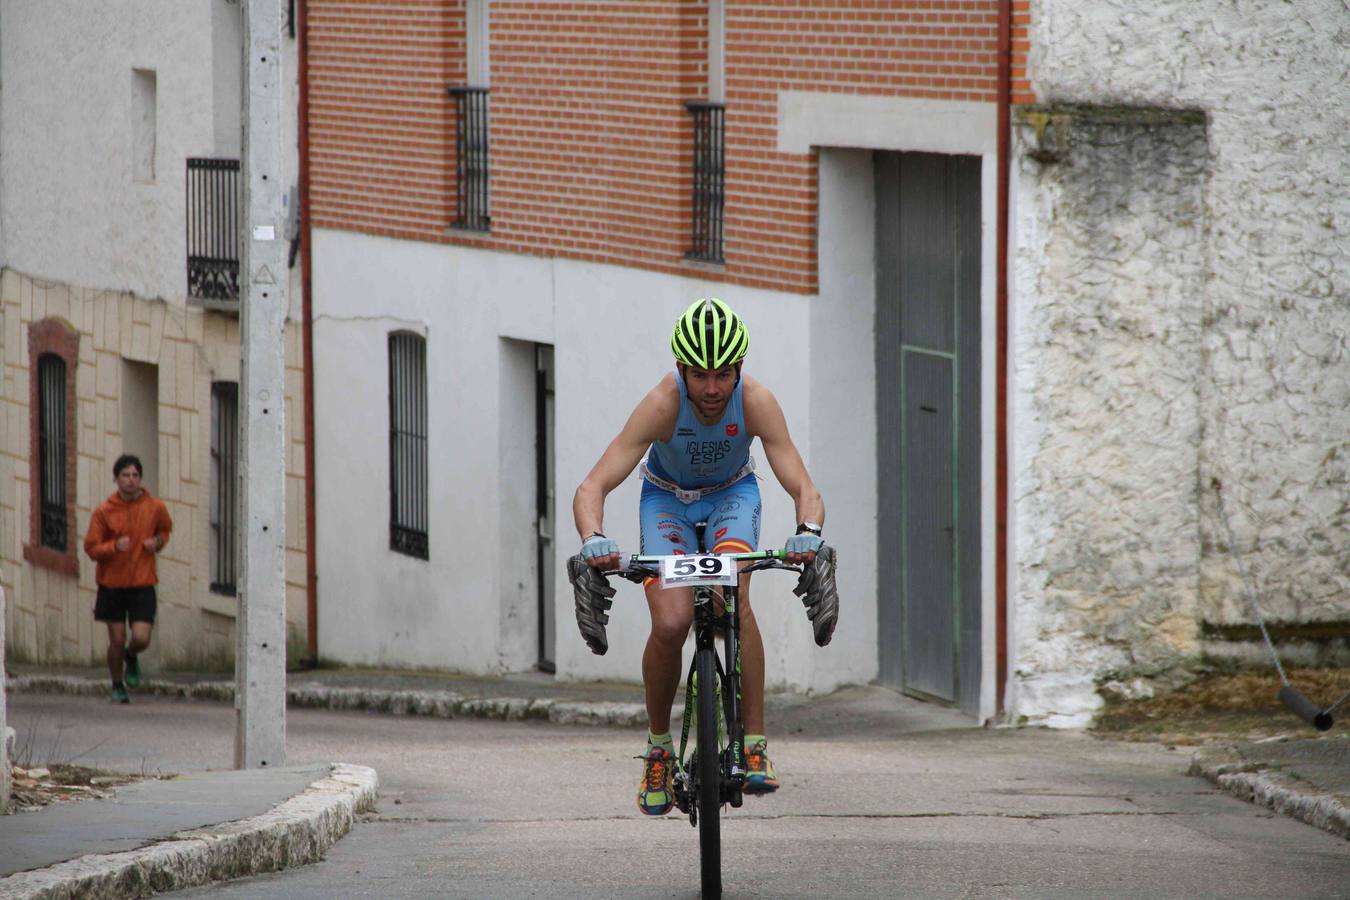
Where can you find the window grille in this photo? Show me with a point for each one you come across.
(471, 158)
(52, 451)
(709, 179)
(408, 444)
(213, 210)
(224, 487)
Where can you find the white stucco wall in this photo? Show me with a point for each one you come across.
(465, 609)
(72, 211)
(1262, 336)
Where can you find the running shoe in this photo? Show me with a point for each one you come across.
(120, 695)
(655, 794)
(133, 670)
(760, 777)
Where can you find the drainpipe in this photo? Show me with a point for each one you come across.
(307, 325)
(1001, 356)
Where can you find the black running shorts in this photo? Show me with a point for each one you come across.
(125, 604)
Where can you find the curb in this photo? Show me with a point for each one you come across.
(435, 704)
(295, 832)
(1257, 783)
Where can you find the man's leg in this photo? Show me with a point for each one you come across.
(117, 638)
(140, 636)
(672, 613)
(752, 663)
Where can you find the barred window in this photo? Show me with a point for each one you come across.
(471, 158)
(408, 444)
(709, 179)
(52, 451)
(224, 513)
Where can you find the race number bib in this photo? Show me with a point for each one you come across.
(677, 571)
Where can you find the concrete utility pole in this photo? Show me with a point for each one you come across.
(260, 657)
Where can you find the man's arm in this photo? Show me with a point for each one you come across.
(163, 528)
(764, 419)
(653, 419)
(98, 543)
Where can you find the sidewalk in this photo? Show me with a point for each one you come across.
(165, 835)
(222, 829)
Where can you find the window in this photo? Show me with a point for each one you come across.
(224, 487)
(408, 444)
(213, 229)
(54, 352)
(52, 451)
(471, 158)
(708, 179)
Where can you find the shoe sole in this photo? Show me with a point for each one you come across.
(753, 789)
(651, 812)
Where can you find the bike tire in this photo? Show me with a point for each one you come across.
(709, 774)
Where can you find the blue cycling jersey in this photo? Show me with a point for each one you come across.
(699, 455)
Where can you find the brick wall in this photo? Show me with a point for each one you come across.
(590, 139)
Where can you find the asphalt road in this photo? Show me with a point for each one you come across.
(472, 808)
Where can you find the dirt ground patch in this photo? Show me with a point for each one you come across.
(1225, 706)
(39, 786)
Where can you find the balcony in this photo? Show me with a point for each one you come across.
(214, 207)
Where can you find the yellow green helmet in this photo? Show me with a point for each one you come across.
(709, 335)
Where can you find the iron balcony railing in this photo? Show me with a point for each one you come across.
(213, 215)
(709, 179)
(471, 158)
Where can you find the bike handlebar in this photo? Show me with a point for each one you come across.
(640, 567)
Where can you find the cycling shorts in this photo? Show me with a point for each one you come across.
(732, 515)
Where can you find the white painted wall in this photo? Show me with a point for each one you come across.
(73, 211)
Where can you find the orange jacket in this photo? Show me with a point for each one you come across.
(142, 518)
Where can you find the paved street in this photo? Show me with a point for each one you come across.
(471, 808)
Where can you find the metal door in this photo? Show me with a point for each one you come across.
(544, 492)
(928, 402)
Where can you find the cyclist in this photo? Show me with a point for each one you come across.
(694, 430)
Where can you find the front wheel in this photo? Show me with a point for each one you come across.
(709, 772)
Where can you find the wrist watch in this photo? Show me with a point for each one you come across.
(809, 528)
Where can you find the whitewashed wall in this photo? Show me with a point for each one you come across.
(67, 70)
(465, 608)
(1263, 332)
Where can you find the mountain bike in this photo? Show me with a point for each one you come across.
(713, 774)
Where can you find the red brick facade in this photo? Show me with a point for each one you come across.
(55, 337)
(590, 139)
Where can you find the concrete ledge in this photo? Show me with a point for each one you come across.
(296, 832)
(1226, 768)
(436, 704)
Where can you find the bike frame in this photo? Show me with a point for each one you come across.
(709, 620)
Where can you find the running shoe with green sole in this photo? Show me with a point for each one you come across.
(760, 777)
(120, 695)
(133, 671)
(656, 796)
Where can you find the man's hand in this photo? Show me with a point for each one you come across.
(152, 544)
(801, 548)
(600, 552)
(123, 544)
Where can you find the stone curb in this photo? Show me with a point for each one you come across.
(295, 832)
(1271, 788)
(436, 704)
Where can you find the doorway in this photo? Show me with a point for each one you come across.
(545, 489)
(928, 238)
